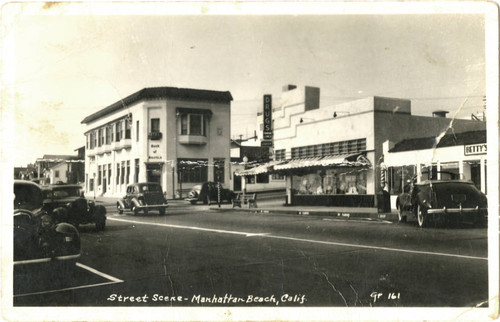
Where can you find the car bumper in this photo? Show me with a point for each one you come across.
(152, 207)
(464, 213)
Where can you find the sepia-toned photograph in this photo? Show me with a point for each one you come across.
(228, 161)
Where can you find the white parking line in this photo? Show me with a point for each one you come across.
(90, 269)
(267, 235)
(113, 280)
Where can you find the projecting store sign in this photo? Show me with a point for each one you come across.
(268, 118)
(474, 149)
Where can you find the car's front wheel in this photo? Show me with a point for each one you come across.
(401, 215)
(422, 217)
(135, 210)
(119, 208)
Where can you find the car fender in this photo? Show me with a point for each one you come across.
(135, 202)
(122, 204)
(99, 212)
(60, 214)
(66, 229)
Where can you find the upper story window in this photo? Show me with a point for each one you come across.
(119, 131)
(127, 129)
(155, 125)
(108, 134)
(137, 131)
(193, 124)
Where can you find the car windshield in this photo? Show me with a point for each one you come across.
(27, 197)
(63, 192)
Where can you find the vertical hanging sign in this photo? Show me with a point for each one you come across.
(268, 118)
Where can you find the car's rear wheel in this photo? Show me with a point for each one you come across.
(100, 224)
(422, 217)
(119, 208)
(401, 215)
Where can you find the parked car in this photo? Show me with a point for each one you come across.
(143, 196)
(77, 210)
(39, 234)
(443, 201)
(208, 192)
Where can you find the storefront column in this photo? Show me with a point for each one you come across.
(461, 169)
(482, 167)
(289, 185)
(466, 170)
(419, 172)
(438, 167)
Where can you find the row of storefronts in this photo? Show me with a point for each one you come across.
(335, 155)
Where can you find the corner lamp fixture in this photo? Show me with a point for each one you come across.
(335, 113)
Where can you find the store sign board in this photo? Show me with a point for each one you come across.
(268, 118)
(266, 143)
(155, 151)
(474, 149)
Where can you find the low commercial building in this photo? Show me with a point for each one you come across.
(177, 137)
(333, 155)
(447, 156)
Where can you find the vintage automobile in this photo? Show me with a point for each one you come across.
(143, 196)
(441, 202)
(39, 234)
(208, 192)
(77, 210)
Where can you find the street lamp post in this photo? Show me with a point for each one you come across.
(244, 181)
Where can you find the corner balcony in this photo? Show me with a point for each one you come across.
(91, 152)
(154, 136)
(192, 139)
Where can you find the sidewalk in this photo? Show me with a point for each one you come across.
(276, 206)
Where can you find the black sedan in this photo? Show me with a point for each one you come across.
(39, 235)
(443, 202)
(208, 192)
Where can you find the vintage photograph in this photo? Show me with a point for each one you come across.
(249, 161)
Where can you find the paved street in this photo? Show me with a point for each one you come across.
(195, 256)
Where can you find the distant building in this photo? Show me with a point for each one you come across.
(51, 168)
(177, 137)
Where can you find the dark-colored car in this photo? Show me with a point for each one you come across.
(143, 196)
(443, 201)
(208, 192)
(39, 233)
(78, 210)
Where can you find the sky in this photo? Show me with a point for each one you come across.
(66, 61)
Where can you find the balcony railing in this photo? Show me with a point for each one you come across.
(154, 135)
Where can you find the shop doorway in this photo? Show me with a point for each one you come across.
(154, 171)
(236, 182)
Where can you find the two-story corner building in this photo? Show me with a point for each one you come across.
(333, 155)
(177, 137)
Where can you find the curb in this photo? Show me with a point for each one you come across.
(346, 215)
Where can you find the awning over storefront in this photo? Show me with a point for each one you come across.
(350, 160)
(263, 168)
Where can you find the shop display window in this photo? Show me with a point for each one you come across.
(330, 182)
(400, 178)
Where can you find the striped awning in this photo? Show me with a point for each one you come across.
(349, 160)
(261, 168)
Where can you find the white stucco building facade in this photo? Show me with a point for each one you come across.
(174, 136)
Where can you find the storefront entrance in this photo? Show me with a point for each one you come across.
(154, 171)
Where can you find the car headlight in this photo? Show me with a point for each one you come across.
(68, 239)
(68, 204)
